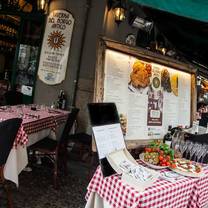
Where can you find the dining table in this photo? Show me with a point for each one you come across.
(112, 192)
(38, 122)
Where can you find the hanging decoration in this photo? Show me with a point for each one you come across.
(55, 47)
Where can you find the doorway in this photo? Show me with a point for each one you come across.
(20, 45)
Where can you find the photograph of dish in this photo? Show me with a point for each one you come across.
(174, 84)
(156, 82)
(140, 75)
(165, 80)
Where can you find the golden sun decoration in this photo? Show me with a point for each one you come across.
(56, 40)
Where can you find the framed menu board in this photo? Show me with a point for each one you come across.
(151, 91)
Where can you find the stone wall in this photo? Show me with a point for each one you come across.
(100, 23)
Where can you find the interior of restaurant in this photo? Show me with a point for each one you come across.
(105, 40)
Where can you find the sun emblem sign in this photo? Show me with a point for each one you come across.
(56, 40)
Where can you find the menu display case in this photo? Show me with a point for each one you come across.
(157, 91)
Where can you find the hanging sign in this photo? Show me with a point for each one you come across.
(55, 47)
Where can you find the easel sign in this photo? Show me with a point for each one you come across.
(107, 132)
(151, 91)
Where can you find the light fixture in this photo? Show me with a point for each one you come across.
(119, 14)
(118, 7)
(199, 79)
(142, 24)
(42, 5)
(160, 48)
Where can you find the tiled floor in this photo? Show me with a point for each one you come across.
(36, 188)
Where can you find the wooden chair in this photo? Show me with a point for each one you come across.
(13, 97)
(82, 141)
(54, 149)
(8, 132)
(4, 87)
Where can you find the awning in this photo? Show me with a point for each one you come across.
(194, 9)
(184, 23)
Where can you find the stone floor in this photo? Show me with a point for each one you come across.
(36, 188)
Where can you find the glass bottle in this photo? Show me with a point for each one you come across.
(168, 137)
(62, 100)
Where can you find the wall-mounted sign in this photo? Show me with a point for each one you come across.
(153, 96)
(55, 47)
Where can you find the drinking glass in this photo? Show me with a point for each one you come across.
(175, 139)
(43, 107)
(205, 152)
(198, 148)
(182, 147)
(189, 145)
(19, 111)
(201, 152)
(193, 151)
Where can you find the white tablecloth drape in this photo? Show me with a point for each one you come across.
(18, 158)
(95, 201)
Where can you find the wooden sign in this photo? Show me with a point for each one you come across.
(55, 47)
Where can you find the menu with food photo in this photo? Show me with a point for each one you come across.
(148, 95)
(140, 77)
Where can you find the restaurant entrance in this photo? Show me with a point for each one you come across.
(20, 44)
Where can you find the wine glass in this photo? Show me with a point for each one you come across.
(182, 147)
(198, 150)
(201, 152)
(205, 152)
(193, 150)
(189, 147)
(19, 111)
(175, 139)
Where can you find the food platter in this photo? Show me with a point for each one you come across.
(156, 167)
(188, 168)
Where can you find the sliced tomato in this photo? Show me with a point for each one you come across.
(168, 163)
(173, 165)
(161, 157)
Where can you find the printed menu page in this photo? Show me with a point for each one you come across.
(109, 138)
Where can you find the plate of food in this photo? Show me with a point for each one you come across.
(158, 155)
(151, 162)
(187, 168)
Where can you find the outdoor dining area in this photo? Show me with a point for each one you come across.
(158, 175)
(29, 133)
(103, 104)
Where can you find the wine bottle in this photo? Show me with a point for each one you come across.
(62, 100)
(63, 105)
(168, 137)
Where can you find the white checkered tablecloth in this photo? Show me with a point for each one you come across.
(22, 137)
(185, 193)
(34, 121)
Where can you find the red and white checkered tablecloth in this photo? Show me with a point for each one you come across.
(185, 193)
(34, 121)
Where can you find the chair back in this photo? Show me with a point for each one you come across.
(69, 123)
(13, 97)
(8, 132)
